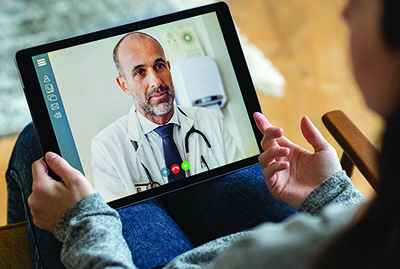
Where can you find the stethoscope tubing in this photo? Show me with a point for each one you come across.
(188, 134)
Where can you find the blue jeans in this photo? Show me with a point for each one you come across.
(159, 229)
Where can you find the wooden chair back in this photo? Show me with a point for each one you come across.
(357, 149)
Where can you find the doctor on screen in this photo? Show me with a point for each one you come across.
(157, 142)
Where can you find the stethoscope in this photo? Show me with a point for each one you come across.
(152, 184)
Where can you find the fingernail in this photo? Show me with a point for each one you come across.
(50, 155)
(285, 164)
(278, 131)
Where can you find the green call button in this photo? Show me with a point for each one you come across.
(185, 166)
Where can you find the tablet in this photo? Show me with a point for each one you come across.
(146, 108)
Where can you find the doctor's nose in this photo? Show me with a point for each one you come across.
(153, 80)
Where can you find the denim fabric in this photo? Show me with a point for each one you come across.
(153, 237)
(156, 230)
(45, 248)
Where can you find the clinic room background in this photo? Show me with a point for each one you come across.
(92, 100)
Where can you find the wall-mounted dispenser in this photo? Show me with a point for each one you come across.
(198, 82)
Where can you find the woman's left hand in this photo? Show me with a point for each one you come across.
(51, 198)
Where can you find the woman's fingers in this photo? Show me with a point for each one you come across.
(268, 130)
(272, 154)
(261, 121)
(270, 136)
(270, 172)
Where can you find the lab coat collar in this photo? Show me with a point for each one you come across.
(137, 134)
(148, 126)
(142, 146)
(184, 119)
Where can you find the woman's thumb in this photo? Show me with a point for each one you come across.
(313, 135)
(60, 166)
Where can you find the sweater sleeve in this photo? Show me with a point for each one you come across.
(336, 190)
(293, 243)
(92, 235)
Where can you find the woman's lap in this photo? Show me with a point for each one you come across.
(199, 213)
(224, 206)
(45, 248)
(153, 237)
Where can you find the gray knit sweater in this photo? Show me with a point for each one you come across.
(92, 237)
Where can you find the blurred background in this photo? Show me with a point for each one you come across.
(297, 52)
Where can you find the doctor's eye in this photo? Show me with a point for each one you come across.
(159, 66)
(139, 72)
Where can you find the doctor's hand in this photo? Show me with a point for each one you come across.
(50, 198)
(290, 171)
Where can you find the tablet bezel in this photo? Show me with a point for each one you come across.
(41, 118)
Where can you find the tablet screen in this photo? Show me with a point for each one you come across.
(146, 108)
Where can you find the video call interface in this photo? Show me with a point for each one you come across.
(107, 118)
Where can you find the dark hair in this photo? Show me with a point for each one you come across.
(374, 240)
(115, 50)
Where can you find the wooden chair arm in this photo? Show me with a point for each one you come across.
(355, 145)
(14, 247)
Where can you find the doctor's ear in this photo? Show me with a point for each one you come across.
(122, 84)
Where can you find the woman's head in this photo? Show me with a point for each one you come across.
(375, 48)
(375, 51)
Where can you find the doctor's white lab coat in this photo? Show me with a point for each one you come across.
(121, 153)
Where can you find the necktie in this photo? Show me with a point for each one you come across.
(171, 153)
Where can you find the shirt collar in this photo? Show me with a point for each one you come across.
(148, 126)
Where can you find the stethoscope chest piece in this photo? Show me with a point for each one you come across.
(153, 185)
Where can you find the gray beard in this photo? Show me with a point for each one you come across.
(156, 109)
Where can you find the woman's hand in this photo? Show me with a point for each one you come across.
(50, 198)
(290, 171)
